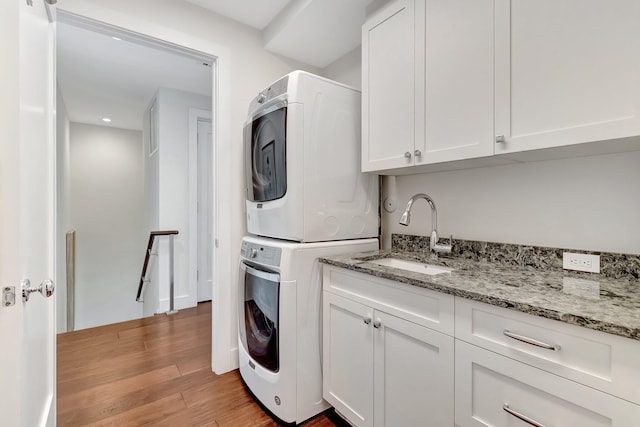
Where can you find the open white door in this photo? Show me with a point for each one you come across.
(27, 182)
(205, 209)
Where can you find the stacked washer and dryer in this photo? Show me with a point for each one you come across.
(305, 199)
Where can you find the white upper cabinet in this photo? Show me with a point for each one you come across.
(427, 83)
(454, 74)
(449, 80)
(567, 72)
(388, 96)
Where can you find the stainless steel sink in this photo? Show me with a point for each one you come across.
(417, 267)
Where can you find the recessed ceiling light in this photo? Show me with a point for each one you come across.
(106, 119)
(116, 38)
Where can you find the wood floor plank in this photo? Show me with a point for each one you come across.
(246, 415)
(198, 362)
(145, 414)
(154, 371)
(226, 392)
(115, 405)
(121, 367)
(158, 330)
(99, 393)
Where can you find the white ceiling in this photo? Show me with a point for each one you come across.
(315, 32)
(102, 77)
(255, 13)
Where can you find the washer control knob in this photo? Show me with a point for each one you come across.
(253, 253)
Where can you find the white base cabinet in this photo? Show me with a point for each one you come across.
(493, 390)
(391, 352)
(381, 369)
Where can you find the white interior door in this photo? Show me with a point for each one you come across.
(27, 182)
(205, 211)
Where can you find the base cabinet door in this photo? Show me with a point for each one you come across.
(385, 371)
(347, 378)
(493, 390)
(413, 374)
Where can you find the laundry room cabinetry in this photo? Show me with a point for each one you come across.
(511, 365)
(498, 77)
(567, 72)
(493, 390)
(387, 354)
(427, 83)
(389, 89)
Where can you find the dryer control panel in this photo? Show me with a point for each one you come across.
(266, 255)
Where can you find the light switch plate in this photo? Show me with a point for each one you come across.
(581, 262)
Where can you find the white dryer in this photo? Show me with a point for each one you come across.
(302, 163)
(279, 322)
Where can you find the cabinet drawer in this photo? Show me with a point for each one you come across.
(597, 359)
(422, 306)
(489, 386)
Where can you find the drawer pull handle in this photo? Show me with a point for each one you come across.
(520, 416)
(531, 341)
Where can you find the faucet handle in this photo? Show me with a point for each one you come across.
(444, 248)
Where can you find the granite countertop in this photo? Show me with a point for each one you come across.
(593, 301)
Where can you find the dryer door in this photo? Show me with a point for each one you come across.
(259, 317)
(265, 154)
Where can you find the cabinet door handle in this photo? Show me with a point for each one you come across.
(366, 320)
(407, 155)
(500, 139)
(377, 324)
(531, 341)
(417, 153)
(520, 416)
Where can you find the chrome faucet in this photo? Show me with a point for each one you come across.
(434, 246)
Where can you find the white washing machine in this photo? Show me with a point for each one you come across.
(279, 322)
(302, 163)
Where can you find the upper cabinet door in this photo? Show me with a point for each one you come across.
(388, 88)
(567, 72)
(455, 69)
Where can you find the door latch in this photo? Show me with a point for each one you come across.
(8, 296)
(46, 289)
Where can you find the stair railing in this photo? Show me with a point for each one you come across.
(152, 236)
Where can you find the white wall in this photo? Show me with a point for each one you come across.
(244, 68)
(586, 203)
(107, 212)
(347, 69)
(172, 189)
(63, 211)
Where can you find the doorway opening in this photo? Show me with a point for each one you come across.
(127, 166)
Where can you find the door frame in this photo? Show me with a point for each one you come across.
(224, 347)
(196, 115)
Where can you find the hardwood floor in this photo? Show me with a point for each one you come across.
(153, 371)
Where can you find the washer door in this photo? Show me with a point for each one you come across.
(265, 140)
(259, 317)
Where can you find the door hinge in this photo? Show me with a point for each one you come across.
(197, 274)
(8, 296)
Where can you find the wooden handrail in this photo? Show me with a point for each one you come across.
(152, 236)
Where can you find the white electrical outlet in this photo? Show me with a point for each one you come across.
(581, 262)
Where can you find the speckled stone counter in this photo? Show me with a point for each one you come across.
(595, 301)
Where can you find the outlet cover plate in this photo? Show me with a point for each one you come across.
(581, 262)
